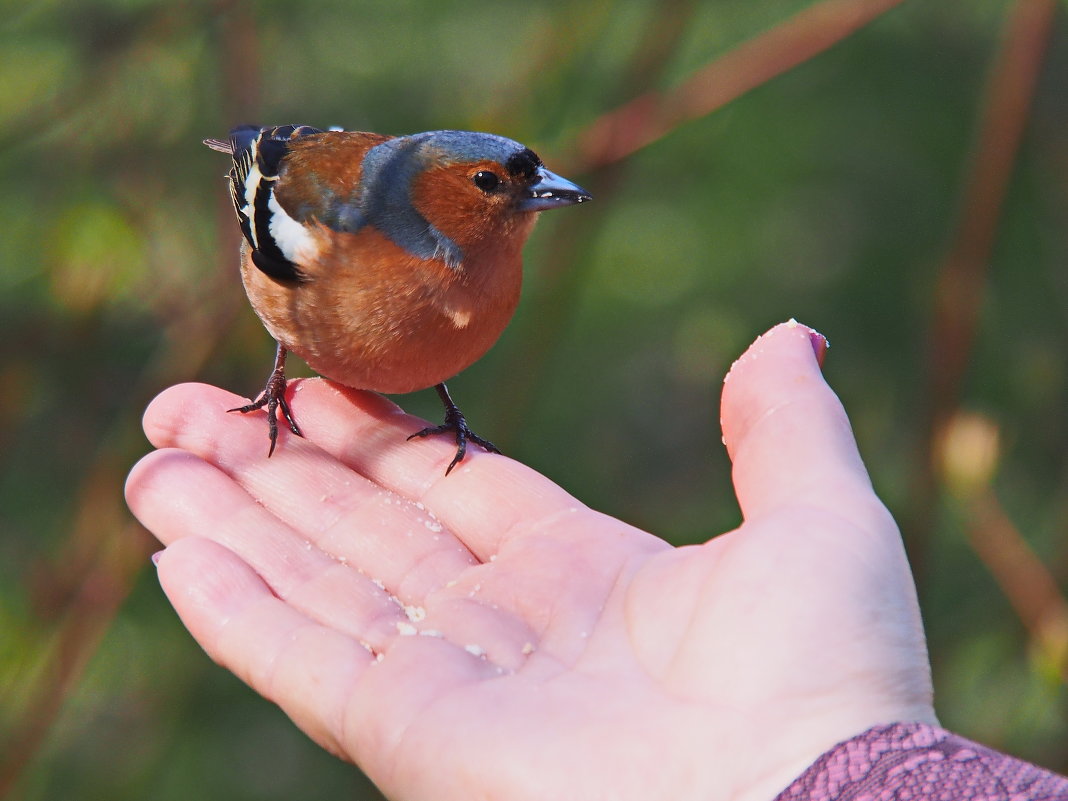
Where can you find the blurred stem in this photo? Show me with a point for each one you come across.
(94, 575)
(239, 62)
(652, 115)
(962, 276)
(106, 45)
(105, 550)
(605, 145)
(1022, 577)
(562, 277)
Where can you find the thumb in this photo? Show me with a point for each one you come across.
(786, 432)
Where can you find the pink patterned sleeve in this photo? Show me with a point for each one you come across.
(907, 761)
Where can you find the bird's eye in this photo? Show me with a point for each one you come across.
(486, 181)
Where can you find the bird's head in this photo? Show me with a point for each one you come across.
(471, 187)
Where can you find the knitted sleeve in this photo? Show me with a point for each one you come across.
(907, 761)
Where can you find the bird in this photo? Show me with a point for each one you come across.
(387, 263)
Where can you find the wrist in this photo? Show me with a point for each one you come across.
(808, 747)
(919, 760)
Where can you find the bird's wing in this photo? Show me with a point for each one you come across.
(257, 154)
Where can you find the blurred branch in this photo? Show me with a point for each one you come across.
(653, 115)
(239, 62)
(962, 275)
(84, 587)
(967, 457)
(563, 276)
(606, 144)
(1024, 580)
(104, 40)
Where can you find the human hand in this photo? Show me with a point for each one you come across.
(485, 635)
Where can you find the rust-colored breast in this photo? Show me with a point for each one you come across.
(371, 316)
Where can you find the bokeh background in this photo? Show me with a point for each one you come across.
(893, 173)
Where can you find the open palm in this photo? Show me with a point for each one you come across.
(485, 635)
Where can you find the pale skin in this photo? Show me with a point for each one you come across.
(486, 636)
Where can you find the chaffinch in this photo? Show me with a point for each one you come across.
(386, 263)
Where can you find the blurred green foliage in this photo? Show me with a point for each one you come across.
(829, 194)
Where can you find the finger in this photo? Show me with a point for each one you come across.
(177, 495)
(786, 432)
(352, 702)
(482, 502)
(396, 541)
(268, 644)
(485, 501)
(513, 620)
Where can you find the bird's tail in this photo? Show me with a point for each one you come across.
(220, 145)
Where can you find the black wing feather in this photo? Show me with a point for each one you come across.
(259, 151)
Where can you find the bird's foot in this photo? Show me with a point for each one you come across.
(274, 398)
(456, 423)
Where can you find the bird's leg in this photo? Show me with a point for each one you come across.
(457, 424)
(274, 398)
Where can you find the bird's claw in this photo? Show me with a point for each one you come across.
(274, 398)
(457, 425)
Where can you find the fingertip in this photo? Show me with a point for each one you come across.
(230, 610)
(788, 356)
(174, 408)
(180, 395)
(134, 479)
(197, 417)
(206, 582)
(785, 338)
(132, 488)
(785, 430)
(820, 344)
(141, 478)
(146, 476)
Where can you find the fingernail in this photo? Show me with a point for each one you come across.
(156, 556)
(819, 345)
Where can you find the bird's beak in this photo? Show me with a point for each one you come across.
(551, 191)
